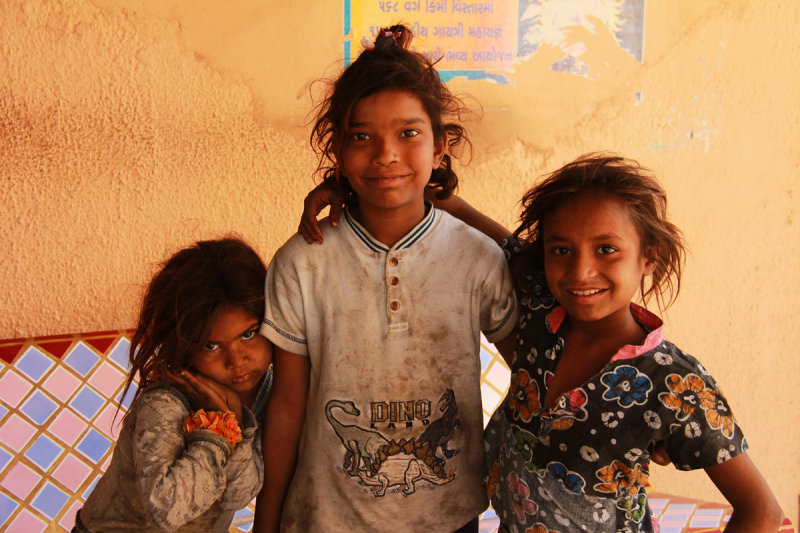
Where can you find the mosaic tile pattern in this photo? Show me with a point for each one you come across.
(59, 420)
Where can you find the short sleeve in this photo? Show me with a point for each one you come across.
(284, 317)
(499, 304)
(702, 431)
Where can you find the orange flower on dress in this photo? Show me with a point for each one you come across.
(619, 479)
(539, 528)
(684, 397)
(524, 396)
(718, 415)
(490, 481)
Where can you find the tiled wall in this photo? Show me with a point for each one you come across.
(59, 420)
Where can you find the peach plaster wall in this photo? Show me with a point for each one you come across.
(129, 129)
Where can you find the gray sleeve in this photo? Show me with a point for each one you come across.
(498, 301)
(178, 479)
(245, 468)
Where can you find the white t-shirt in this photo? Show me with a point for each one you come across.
(392, 438)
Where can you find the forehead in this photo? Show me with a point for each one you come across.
(590, 216)
(388, 106)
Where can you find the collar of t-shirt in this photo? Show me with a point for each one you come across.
(650, 322)
(410, 238)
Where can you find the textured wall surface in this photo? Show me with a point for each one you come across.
(129, 129)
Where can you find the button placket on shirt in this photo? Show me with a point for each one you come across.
(396, 309)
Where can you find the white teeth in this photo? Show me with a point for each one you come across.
(585, 293)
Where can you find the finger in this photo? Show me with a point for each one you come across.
(336, 212)
(209, 389)
(310, 229)
(307, 232)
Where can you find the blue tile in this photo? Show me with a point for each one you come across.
(33, 364)
(82, 359)
(43, 452)
(90, 488)
(486, 358)
(3, 412)
(94, 445)
(243, 513)
(50, 500)
(87, 402)
(39, 407)
(126, 401)
(120, 354)
(5, 458)
(7, 506)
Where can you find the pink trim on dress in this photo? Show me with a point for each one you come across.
(644, 317)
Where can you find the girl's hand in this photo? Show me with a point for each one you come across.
(205, 393)
(324, 194)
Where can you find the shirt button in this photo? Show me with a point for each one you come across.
(394, 306)
(393, 261)
(394, 280)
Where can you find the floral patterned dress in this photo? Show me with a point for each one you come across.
(582, 465)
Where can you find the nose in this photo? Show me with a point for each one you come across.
(237, 356)
(582, 266)
(385, 152)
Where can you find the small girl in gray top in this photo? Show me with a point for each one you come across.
(189, 453)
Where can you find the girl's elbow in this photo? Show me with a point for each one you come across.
(765, 516)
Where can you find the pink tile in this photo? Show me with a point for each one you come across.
(27, 523)
(67, 426)
(16, 433)
(20, 481)
(13, 388)
(107, 379)
(109, 421)
(62, 384)
(72, 472)
(68, 520)
(107, 463)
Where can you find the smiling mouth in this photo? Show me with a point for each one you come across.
(586, 292)
(387, 178)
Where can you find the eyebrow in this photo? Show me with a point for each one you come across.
(603, 237)
(399, 122)
(255, 324)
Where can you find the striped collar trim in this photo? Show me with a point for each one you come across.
(407, 241)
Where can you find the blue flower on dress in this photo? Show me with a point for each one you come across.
(571, 480)
(626, 385)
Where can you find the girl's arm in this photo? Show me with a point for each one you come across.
(459, 208)
(245, 468)
(285, 415)
(755, 508)
(326, 194)
(178, 477)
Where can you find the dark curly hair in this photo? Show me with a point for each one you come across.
(389, 65)
(632, 184)
(182, 299)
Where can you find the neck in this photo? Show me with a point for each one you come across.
(612, 332)
(388, 225)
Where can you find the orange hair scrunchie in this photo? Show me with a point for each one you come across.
(222, 423)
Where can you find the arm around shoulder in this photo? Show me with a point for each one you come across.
(755, 509)
(282, 429)
(462, 210)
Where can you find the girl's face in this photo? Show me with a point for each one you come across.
(390, 152)
(593, 258)
(234, 354)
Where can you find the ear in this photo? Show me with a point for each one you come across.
(439, 147)
(650, 255)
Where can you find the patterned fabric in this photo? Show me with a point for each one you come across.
(159, 480)
(392, 439)
(583, 464)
